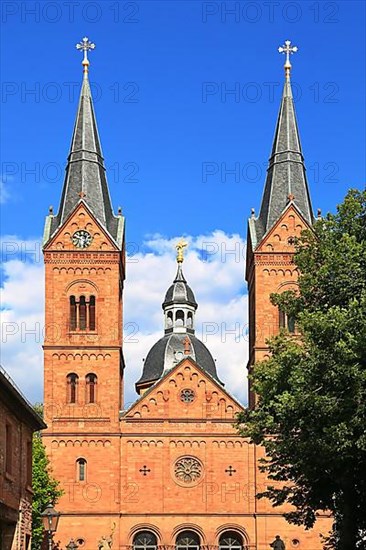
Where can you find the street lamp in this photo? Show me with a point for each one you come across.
(50, 522)
(72, 545)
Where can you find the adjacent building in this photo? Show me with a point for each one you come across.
(18, 421)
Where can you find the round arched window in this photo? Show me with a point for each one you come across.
(231, 540)
(187, 540)
(145, 540)
(72, 382)
(179, 318)
(81, 469)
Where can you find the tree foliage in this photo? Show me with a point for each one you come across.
(311, 411)
(45, 487)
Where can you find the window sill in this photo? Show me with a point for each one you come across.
(73, 332)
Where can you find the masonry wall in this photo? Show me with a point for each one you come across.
(15, 481)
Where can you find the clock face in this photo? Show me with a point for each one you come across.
(81, 238)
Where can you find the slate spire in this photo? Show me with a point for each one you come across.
(85, 178)
(286, 174)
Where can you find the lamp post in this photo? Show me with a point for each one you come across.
(72, 545)
(50, 522)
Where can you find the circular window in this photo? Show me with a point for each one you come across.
(80, 542)
(295, 543)
(188, 471)
(187, 395)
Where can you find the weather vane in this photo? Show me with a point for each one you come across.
(288, 50)
(85, 45)
(180, 248)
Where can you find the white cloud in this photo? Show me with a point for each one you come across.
(213, 267)
(22, 320)
(5, 181)
(4, 193)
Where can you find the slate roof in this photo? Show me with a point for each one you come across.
(85, 177)
(179, 291)
(124, 412)
(169, 351)
(286, 173)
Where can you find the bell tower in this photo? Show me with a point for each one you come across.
(83, 361)
(285, 211)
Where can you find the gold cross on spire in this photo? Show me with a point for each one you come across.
(288, 50)
(180, 248)
(85, 45)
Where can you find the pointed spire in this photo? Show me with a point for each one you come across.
(85, 178)
(180, 246)
(286, 171)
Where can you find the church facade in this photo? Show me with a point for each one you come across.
(170, 470)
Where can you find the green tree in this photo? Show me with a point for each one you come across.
(45, 486)
(311, 412)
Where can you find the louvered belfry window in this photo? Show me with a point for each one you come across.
(91, 388)
(82, 313)
(72, 382)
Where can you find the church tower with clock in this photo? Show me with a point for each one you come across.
(83, 360)
(170, 471)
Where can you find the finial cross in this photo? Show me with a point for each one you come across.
(144, 470)
(85, 45)
(287, 49)
(187, 345)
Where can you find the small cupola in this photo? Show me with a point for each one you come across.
(179, 340)
(179, 304)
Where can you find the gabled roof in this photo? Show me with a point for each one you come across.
(14, 399)
(85, 170)
(48, 237)
(158, 383)
(286, 174)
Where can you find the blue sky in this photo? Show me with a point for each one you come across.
(171, 131)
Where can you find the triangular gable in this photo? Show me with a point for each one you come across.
(291, 206)
(73, 213)
(185, 391)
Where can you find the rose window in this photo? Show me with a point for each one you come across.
(187, 396)
(188, 470)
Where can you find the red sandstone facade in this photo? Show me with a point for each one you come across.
(171, 470)
(270, 269)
